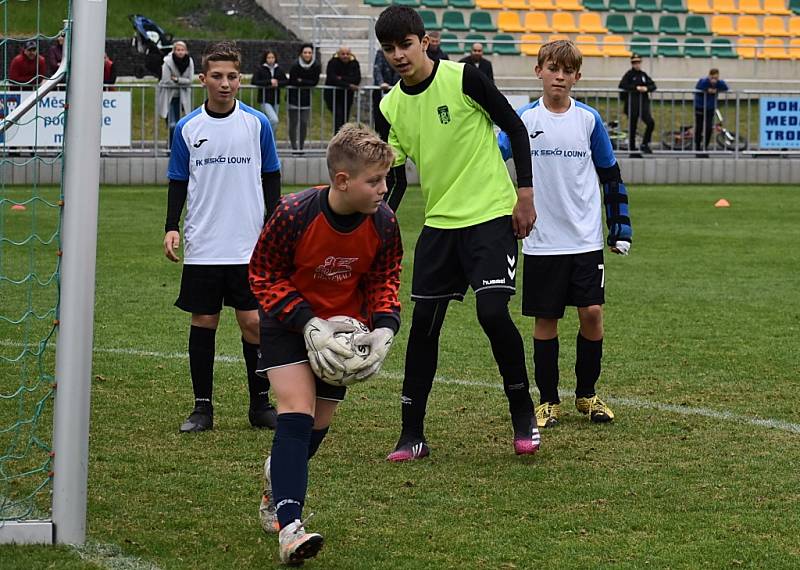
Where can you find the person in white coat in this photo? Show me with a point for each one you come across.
(174, 95)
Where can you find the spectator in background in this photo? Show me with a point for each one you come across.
(109, 71)
(303, 75)
(476, 58)
(384, 77)
(54, 54)
(174, 95)
(705, 104)
(26, 66)
(635, 87)
(435, 46)
(270, 77)
(344, 74)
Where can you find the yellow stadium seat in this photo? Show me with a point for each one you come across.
(590, 23)
(748, 26)
(488, 4)
(536, 22)
(530, 44)
(515, 4)
(509, 22)
(774, 48)
(699, 7)
(773, 26)
(563, 22)
(746, 48)
(557, 37)
(724, 7)
(794, 26)
(794, 48)
(614, 46)
(573, 5)
(542, 5)
(723, 26)
(752, 7)
(777, 7)
(589, 46)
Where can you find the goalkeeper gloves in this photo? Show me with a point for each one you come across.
(324, 351)
(379, 342)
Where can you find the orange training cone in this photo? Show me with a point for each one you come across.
(722, 203)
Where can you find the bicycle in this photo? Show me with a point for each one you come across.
(619, 137)
(683, 139)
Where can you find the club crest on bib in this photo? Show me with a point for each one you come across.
(444, 114)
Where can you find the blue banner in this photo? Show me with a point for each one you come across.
(779, 120)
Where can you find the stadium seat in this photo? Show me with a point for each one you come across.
(564, 23)
(434, 3)
(537, 22)
(722, 48)
(450, 43)
(668, 47)
(774, 48)
(794, 48)
(590, 23)
(752, 7)
(643, 24)
(429, 19)
(600, 5)
(530, 44)
(748, 26)
(699, 7)
(776, 7)
(647, 6)
(746, 48)
(794, 6)
(378, 3)
(696, 25)
(546, 5)
(462, 4)
(723, 26)
(514, 4)
(641, 45)
(489, 4)
(569, 5)
(589, 46)
(409, 3)
(774, 27)
(620, 5)
(557, 37)
(794, 26)
(674, 6)
(617, 24)
(695, 47)
(453, 20)
(470, 39)
(505, 44)
(724, 7)
(481, 22)
(509, 22)
(614, 46)
(669, 24)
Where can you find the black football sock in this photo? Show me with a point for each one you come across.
(317, 436)
(508, 350)
(201, 364)
(289, 465)
(545, 364)
(589, 353)
(258, 386)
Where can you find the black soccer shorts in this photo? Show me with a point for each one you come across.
(551, 282)
(206, 288)
(483, 256)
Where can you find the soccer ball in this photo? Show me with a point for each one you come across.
(361, 352)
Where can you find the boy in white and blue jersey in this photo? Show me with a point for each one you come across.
(571, 156)
(225, 168)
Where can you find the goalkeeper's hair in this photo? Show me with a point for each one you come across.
(356, 147)
(222, 51)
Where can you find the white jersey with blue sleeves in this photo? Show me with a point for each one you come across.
(222, 159)
(565, 149)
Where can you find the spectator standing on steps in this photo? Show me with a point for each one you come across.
(636, 87)
(705, 105)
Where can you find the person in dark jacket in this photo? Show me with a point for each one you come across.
(476, 58)
(303, 75)
(54, 55)
(383, 77)
(435, 51)
(635, 88)
(270, 77)
(344, 74)
(705, 105)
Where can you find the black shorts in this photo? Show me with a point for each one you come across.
(281, 347)
(446, 262)
(206, 288)
(551, 282)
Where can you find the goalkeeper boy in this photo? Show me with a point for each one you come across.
(326, 251)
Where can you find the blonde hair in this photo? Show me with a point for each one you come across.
(355, 147)
(563, 53)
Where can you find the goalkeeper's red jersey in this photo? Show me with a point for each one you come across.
(306, 265)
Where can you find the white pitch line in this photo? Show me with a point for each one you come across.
(623, 401)
(111, 556)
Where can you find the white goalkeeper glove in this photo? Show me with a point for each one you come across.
(379, 342)
(324, 351)
(622, 247)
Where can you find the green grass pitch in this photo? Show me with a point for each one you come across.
(702, 316)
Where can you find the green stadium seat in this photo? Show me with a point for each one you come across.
(505, 48)
(643, 24)
(722, 47)
(647, 6)
(695, 47)
(641, 46)
(617, 24)
(429, 19)
(598, 5)
(794, 6)
(453, 20)
(434, 3)
(378, 3)
(462, 4)
(409, 3)
(696, 25)
(668, 47)
(481, 22)
(470, 39)
(620, 5)
(669, 24)
(674, 6)
(450, 43)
